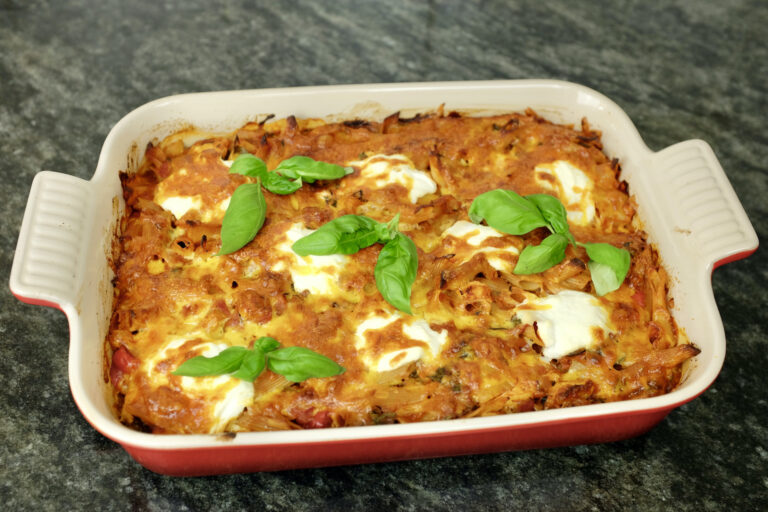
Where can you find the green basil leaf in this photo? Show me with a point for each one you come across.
(506, 211)
(255, 360)
(343, 235)
(266, 344)
(608, 266)
(279, 184)
(389, 230)
(310, 170)
(396, 270)
(254, 167)
(244, 217)
(249, 165)
(251, 366)
(288, 172)
(298, 364)
(538, 258)
(553, 212)
(226, 361)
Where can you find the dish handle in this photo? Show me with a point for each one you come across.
(714, 225)
(48, 264)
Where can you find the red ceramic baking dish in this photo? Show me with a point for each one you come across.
(685, 203)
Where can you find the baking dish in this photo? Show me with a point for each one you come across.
(684, 200)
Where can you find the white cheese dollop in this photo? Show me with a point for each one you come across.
(383, 170)
(566, 321)
(475, 235)
(417, 330)
(180, 205)
(317, 274)
(574, 189)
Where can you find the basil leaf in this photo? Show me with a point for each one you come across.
(288, 172)
(343, 235)
(608, 266)
(298, 364)
(249, 165)
(389, 230)
(506, 211)
(310, 170)
(254, 167)
(553, 212)
(244, 217)
(395, 271)
(255, 360)
(538, 258)
(278, 184)
(226, 361)
(251, 366)
(266, 344)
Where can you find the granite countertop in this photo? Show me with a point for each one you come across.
(681, 69)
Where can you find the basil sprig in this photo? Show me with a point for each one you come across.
(509, 212)
(247, 208)
(398, 261)
(345, 235)
(253, 166)
(296, 364)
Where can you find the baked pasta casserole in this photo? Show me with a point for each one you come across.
(300, 273)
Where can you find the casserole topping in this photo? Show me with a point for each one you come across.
(303, 274)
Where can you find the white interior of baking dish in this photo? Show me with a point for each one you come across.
(685, 203)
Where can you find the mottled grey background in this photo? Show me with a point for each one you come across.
(684, 69)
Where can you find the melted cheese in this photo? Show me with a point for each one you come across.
(181, 205)
(475, 235)
(566, 321)
(381, 170)
(573, 186)
(318, 275)
(421, 341)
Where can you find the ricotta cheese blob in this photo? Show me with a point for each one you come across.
(475, 235)
(227, 395)
(416, 330)
(566, 321)
(318, 275)
(383, 170)
(573, 187)
(180, 205)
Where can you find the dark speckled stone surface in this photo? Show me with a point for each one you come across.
(681, 70)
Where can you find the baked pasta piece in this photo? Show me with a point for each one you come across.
(468, 336)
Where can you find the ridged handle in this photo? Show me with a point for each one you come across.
(709, 217)
(49, 261)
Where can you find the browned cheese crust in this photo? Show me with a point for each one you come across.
(170, 285)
